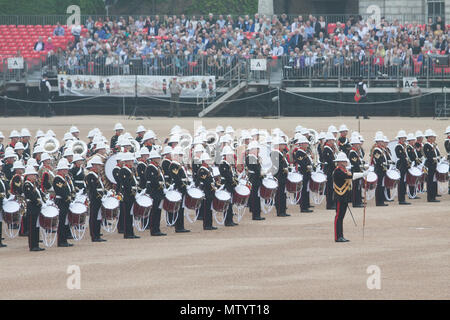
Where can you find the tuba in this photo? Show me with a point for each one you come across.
(50, 145)
(79, 147)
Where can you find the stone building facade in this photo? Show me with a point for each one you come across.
(408, 10)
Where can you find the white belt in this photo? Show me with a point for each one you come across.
(79, 181)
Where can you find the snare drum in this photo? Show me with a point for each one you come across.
(142, 206)
(193, 198)
(370, 182)
(172, 201)
(268, 188)
(48, 219)
(391, 179)
(294, 182)
(442, 172)
(240, 195)
(317, 182)
(413, 176)
(11, 212)
(221, 200)
(77, 214)
(110, 208)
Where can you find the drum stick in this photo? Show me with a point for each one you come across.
(364, 215)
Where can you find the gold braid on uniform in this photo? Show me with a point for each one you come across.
(345, 187)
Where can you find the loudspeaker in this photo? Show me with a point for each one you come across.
(442, 61)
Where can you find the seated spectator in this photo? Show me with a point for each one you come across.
(59, 30)
(49, 45)
(39, 45)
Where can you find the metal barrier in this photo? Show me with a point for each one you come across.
(300, 70)
(175, 65)
(308, 71)
(54, 19)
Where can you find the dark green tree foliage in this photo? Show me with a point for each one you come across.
(49, 7)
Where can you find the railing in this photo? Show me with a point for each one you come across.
(177, 65)
(53, 19)
(331, 72)
(302, 71)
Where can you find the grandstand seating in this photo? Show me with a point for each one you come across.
(24, 37)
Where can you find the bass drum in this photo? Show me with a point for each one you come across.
(110, 164)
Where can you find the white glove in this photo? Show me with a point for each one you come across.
(358, 175)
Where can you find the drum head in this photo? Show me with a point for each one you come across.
(242, 190)
(270, 183)
(372, 177)
(77, 208)
(173, 196)
(318, 177)
(50, 211)
(414, 171)
(223, 195)
(393, 175)
(11, 206)
(442, 168)
(195, 193)
(144, 201)
(295, 177)
(110, 203)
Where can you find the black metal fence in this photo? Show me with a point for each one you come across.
(53, 19)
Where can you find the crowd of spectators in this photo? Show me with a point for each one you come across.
(214, 44)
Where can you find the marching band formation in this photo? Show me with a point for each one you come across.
(56, 191)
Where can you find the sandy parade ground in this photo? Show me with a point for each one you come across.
(280, 258)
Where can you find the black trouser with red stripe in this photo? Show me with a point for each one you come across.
(341, 208)
(120, 224)
(280, 197)
(127, 219)
(356, 192)
(431, 185)
(255, 202)
(33, 231)
(402, 187)
(304, 201)
(155, 217)
(24, 225)
(379, 191)
(94, 224)
(329, 192)
(205, 208)
(62, 232)
(179, 224)
(1, 231)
